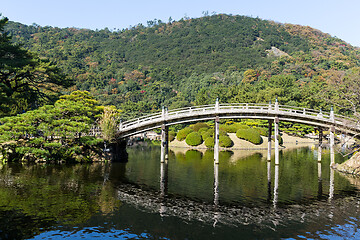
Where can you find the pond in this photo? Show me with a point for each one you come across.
(188, 197)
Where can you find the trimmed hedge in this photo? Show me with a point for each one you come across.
(250, 135)
(194, 139)
(209, 142)
(208, 133)
(263, 131)
(225, 141)
(201, 130)
(172, 135)
(199, 125)
(182, 134)
(233, 128)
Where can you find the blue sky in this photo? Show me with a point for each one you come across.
(338, 18)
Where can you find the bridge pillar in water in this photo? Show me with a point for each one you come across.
(276, 138)
(216, 140)
(320, 144)
(164, 143)
(332, 143)
(216, 184)
(163, 178)
(276, 186)
(269, 180)
(269, 140)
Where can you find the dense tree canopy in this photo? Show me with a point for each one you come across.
(26, 81)
(52, 132)
(194, 61)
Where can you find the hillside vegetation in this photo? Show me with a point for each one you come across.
(194, 61)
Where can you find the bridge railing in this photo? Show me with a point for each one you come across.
(168, 114)
(209, 109)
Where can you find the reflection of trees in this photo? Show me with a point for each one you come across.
(302, 219)
(65, 195)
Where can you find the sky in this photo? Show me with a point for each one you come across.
(338, 18)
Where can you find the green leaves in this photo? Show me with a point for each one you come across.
(52, 131)
(26, 81)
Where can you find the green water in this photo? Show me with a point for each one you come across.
(188, 197)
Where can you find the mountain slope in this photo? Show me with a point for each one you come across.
(192, 61)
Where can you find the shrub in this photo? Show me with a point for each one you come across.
(225, 141)
(201, 130)
(199, 125)
(263, 131)
(208, 133)
(182, 134)
(209, 142)
(233, 128)
(194, 139)
(250, 135)
(172, 135)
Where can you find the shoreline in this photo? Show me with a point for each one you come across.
(240, 144)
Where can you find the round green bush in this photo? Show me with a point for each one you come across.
(201, 130)
(233, 127)
(241, 126)
(209, 142)
(250, 135)
(171, 136)
(262, 131)
(182, 134)
(208, 133)
(199, 125)
(193, 139)
(225, 141)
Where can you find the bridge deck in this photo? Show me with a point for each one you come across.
(242, 111)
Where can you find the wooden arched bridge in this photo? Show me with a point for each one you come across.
(274, 113)
(240, 111)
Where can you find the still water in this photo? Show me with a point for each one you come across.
(244, 197)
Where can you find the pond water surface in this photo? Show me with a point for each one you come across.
(188, 197)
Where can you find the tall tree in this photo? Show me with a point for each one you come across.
(26, 81)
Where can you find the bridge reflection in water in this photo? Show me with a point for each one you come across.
(214, 213)
(272, 191)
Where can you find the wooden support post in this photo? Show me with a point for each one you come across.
(331, 185)
(319, 181)
(216, 140)
(269, 140)
(332, 143)
(269, 180)
(276, 136)
(320, 144)
(216, 184)
(164, 142)
(163, 178)
(276, 186)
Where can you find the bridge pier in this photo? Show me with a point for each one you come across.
(269, 180)
(163, 178)
(276, 136)
(216, 184)
(320, 144)
(216, 140)
(269, 140)
(332, 143)
(276, 186)
(164, 143)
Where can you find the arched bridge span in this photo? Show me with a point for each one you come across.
(240, 111)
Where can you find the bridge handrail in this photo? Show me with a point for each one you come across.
(242, 106)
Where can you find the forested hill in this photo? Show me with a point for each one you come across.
(193, 61)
